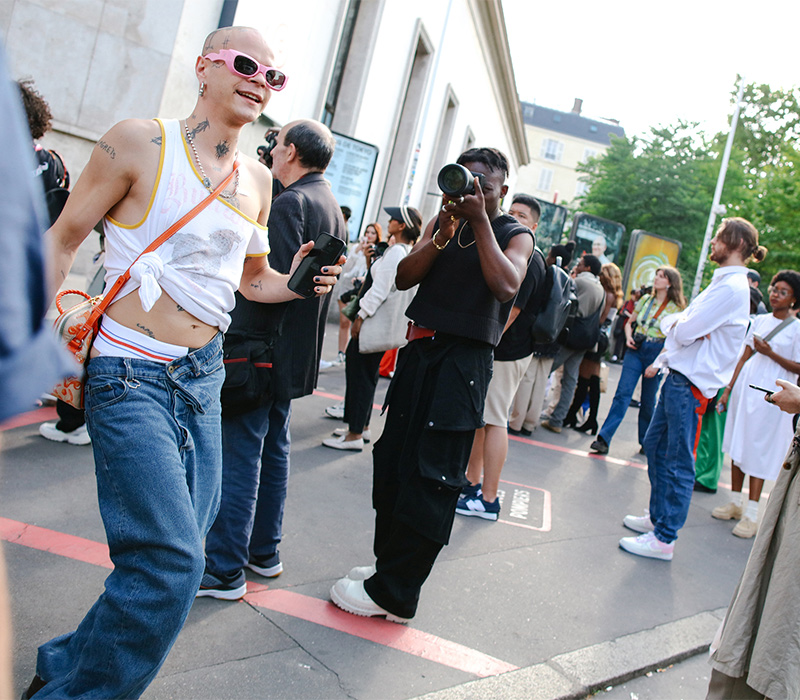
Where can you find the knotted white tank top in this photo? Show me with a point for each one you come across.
(200, 266)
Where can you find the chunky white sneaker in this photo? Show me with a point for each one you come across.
(366, 436)
(339, 443)
(351, 597)
(335, 411)
(730, 511)
(745, 528)
(639, 523)
(79, 436)
(361, 573)
(648, 545)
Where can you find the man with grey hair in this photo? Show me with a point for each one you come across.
(256, 441)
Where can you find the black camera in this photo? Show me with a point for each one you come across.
(265, 152)
(456, 181)
(378, 249)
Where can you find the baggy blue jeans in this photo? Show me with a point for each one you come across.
(157, 446)
(255, 478)
(633, 367)
(669, 446)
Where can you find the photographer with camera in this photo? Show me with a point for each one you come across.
(469, 265)
(644, 344)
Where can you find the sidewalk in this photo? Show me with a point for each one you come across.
(542, 604)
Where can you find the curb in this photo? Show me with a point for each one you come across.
(582, 672)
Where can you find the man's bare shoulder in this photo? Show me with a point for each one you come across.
(258, 171)
(130, 139)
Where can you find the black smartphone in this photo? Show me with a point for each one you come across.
(326, 251)
(768, 392)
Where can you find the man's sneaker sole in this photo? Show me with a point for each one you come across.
(220, 594)
(477, 513)
(266, 571)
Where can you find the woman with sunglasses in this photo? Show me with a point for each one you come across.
(756, 433)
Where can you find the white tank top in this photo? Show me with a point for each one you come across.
(200, 266)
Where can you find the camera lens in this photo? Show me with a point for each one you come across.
(455, 180)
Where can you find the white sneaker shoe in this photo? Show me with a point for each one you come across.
(351, 597)
(366, 436)
(745, 528)
(335, 411)
(339, 443)
(361, 573)
(648, 545)
(79, 436)
(639, 523)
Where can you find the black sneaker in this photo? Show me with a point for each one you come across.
(36, 685)
(524, 432)
(222, 587)
(470, 491)
(270, 566)
(599, 446)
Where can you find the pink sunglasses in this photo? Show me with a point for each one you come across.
(246, 66)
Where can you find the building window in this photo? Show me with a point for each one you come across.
(545, 180)
(552, 150)
(581, 188)
(589, 153)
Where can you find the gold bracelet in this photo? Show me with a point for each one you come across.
(436, 245)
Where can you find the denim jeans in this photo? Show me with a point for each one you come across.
(255, 477)
(157, 447)
(571, 359)
(633, 367)
(669, 446)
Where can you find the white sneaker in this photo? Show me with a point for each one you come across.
(335, 411)
(339, 443)
(648, 545)
(79, 436)
(639, 523)
(341, 358)
(361, 573)
(351, 597)
(324, 364)
(366, 436)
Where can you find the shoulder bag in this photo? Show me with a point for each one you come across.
(77, 326)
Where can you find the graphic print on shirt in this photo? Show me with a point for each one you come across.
(199, 258)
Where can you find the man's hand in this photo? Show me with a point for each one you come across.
(651, 371)
(471, 207)
(788, 398)
(329, 275)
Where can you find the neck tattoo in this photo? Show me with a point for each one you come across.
(206, 180)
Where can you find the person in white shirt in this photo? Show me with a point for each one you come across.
(700, 351)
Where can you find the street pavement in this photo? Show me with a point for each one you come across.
(542, 604)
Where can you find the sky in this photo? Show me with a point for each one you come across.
(649, 63)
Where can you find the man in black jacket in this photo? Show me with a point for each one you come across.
(255, 468)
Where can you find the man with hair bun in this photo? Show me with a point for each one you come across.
(700, 350)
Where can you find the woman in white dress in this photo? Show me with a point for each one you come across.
(756, 434)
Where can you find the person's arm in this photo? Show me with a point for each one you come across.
(512, 316)
(723, 399)
(610, 301)
(114, 172)
(707, 313)
(629, 330)
(765, 348)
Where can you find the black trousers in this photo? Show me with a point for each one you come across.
(69, 418)
(419, 463)
(361, 375)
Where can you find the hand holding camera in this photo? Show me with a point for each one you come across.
(462, 199)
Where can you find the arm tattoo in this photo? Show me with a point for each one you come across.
(180, 308)
(202, 126)
(146, 330)
(102, 145)
(223, 148)
(156, 140)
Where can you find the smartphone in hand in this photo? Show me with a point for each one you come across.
(326, 251)
(768, 392)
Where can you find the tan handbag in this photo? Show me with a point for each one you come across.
(77, 326)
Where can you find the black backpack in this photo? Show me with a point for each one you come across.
(55, 181)
(582, 333)
(560, 302)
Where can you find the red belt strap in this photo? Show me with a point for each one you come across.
(416, 332)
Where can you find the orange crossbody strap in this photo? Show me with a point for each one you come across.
(98, 310)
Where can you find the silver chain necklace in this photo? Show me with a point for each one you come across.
(206, 180)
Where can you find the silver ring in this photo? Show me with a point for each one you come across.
(444, 207)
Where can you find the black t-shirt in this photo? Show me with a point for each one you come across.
(517, 341)
(454, 298)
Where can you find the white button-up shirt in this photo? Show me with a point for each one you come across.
(704, 340)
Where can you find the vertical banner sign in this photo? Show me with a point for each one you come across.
(350, 174)
(597, 236)
(646, 253)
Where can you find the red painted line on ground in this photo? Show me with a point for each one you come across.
(54, 542)
(40, 415)
(399, 637)
(390, 634)
(578, 453)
